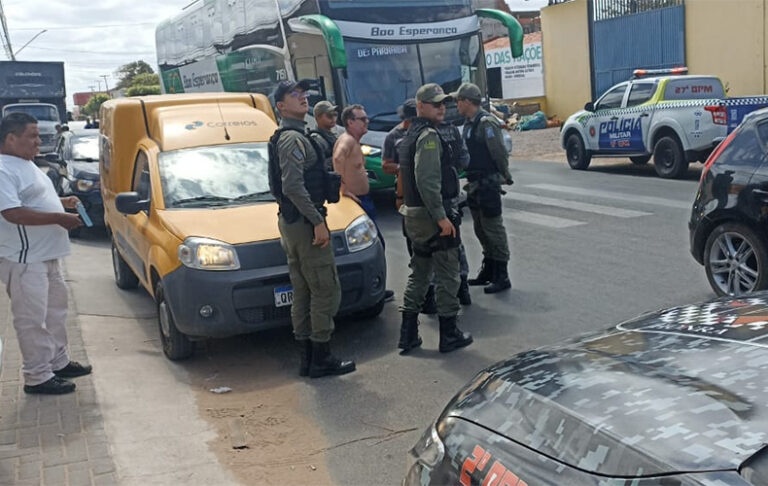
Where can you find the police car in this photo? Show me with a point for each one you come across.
(663, 113)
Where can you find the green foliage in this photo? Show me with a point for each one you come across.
(127, 72)
(141, 90)
(92, 107)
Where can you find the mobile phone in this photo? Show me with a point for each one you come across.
(84, 215)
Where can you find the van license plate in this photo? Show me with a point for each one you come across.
(283, 296)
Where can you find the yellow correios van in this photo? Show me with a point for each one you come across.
(191, 218)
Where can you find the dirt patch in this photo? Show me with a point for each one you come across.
(541, 144)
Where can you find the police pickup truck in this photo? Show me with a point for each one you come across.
(663, 113)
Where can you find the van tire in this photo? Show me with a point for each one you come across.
(176, 345)
(669, 159)
(578, 157)
(124, 276)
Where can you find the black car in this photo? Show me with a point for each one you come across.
(729, 220)
(78, 150)
(675, 397)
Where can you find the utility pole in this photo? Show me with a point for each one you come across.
(106, 86)
(4, 38)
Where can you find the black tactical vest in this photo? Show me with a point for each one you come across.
(481, 163)
(407, 155)
(314, 178)
(327, 147)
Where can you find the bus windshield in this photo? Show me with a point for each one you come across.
(382, 76)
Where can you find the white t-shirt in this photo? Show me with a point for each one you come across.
(23, 184)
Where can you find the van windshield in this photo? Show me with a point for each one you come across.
(218, 175)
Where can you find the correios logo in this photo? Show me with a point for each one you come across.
(218, 124)
(193, 125)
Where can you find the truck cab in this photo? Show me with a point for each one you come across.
(187, 205)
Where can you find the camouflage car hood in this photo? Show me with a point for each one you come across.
(684, 389)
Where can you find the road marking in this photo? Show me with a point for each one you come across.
(656, 201)
(541, 219)
(576, 205)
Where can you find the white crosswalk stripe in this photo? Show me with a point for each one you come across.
(540, 219)
(656, 201)
(576, 205)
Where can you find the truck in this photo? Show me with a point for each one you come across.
(36, 88)
(664, 114)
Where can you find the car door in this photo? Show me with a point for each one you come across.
(638, 115)
(601, 124)
(135, 244)
(746, 151)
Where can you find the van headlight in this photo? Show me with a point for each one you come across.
(208, 254)
(361, 234)
(424, 457)
(369, 151)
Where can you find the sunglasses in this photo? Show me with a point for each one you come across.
(298, 94)
(363, 119)
(436, 104)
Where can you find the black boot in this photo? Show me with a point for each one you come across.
(500, 280)
(324, 363)
(451, 337)
(485, 274)
(409, 332)
(463, 295)
(305, 356)
(430, 304)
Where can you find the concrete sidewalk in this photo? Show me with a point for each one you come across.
(50, 440)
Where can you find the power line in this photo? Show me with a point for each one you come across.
(108, 53)
(84, 27)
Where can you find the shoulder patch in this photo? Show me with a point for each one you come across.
(489, 133)
(298, 154)
(430, 144)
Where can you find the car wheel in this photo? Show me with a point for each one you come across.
(736, 260)
(176, 345)
(668, 158)
(578, 158)
(640, 159)
(124, 276)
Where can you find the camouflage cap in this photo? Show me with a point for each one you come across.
(468, 91)
(323, 107)
(431, 93)
(286, 87)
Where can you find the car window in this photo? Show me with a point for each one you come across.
(744, 150)
(762, 132)
(639, 93)
(612, 98)
(693, 88)
(141, 176)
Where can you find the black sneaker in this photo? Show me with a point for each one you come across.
(54, 386)
(73, 370)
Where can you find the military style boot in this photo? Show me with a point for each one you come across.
(485, 274)
(500, 281)
(305, 356)
(324, 363)
(451, 337)
(463, 295)
(409, 332)
(430, 304)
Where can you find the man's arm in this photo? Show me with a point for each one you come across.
(495, 143)
(292, 153)
(428, 174)
(342, 152)
(388, 164)
(32, 217)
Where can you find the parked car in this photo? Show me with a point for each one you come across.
(78, 151)
(729, 219)
(674, 397)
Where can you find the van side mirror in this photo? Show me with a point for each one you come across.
(129, 203)
(589, 106)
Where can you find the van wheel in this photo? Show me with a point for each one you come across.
(578, 158)
(640, 159)
(668, 158)
(124, 276)
(176, 345)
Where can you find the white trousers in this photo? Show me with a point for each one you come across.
(39, 300)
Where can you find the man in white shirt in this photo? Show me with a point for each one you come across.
(33, 237)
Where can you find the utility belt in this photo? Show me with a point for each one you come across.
(479, 176)
(441, 243)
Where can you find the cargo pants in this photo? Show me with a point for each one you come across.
(485, 206)
(315, 281)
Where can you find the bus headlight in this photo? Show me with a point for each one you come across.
(208, 254)
(369, 151)
(361, 234)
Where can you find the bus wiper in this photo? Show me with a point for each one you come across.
(255, 196)
(204, 198)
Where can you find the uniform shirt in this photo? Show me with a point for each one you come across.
(24, 185)
(490, 131)
(296, 153)
(428, 172)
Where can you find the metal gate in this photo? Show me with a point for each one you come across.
(631, 34)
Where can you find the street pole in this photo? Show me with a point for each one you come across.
(30, 41)
(106, 86)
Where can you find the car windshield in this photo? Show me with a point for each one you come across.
(215, 175)
(40, 112)
(397, 71)
(85, 148)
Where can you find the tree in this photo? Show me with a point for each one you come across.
(144, 84)
(92, 107)
(127, 72)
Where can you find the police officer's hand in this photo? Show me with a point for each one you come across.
(447, 228)
(69, 221)
(322, 236)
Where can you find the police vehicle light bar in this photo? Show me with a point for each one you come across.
(639, 73)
